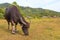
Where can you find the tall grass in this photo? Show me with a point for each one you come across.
(40, 29)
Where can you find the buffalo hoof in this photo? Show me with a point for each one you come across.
(13, 32)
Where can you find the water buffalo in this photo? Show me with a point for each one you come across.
(13, 16)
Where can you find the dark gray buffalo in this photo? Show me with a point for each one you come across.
(13, 16)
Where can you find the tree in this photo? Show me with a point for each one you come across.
(14, 3)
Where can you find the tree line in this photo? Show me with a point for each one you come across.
(29, 12)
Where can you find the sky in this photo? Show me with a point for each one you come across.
(45, 4)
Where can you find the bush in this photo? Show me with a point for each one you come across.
(1, 16)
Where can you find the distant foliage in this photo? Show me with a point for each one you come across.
(30, 12)
(1, 12)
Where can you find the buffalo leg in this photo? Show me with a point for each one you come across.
(13, 27)
(16, 27)
(8, 25)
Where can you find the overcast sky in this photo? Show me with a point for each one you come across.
(46, 4)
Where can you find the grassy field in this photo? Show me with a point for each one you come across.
(40, 29)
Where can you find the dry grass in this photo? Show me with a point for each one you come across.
(40, 29)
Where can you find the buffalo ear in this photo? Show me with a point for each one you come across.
(28, 25)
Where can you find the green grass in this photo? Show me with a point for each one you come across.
(40, 29)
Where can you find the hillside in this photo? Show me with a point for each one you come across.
(4, 5)
(31, 12)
